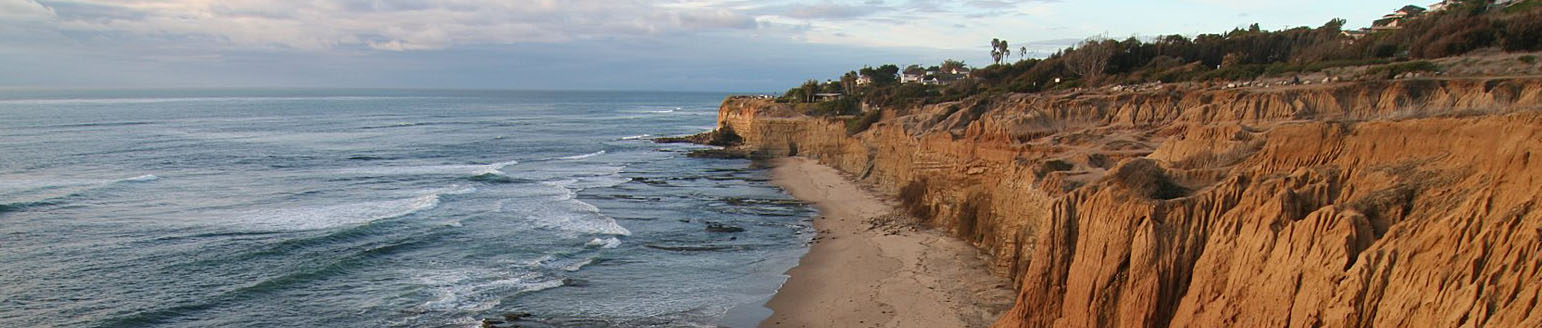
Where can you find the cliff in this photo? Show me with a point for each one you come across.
(1385, 204)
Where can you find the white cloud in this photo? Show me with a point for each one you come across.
(407, 25)
(379, 24)
(24, 11)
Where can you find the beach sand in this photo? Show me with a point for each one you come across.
(869, 268)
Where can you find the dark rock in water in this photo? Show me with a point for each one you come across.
(492, 178)
(495, 323)
(723, 136)
(719, 227)
(509, 320)
(574, 282)
(632, 197)
(650, 182)
(699, 138)
(725, 153)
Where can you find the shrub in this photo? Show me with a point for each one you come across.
(839, 106)
(1523, 32)
(1393, 70)
(1052, 166)
(861, 123)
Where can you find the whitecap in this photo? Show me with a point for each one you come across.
(611, 242)
(575, 266)
(321, 217)
(142, 178)
(598, 153)
(472, 170)
(637, 137)
(496, 168)
(478, 290)
(567, 214)
(552, 262)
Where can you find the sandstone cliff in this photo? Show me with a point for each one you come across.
(1371, 204)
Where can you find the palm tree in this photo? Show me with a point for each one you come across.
(1022, 52)
(1006, 51)
(996, 50)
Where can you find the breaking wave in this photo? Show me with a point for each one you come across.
(598, 153)
(320, 217)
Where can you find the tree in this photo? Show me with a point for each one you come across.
(883, 75)
(1090, 57)
(1000, 50)
(1022, 52)
(950, 65)
(1333, 26)
(887, 74)
(832, 87)
(805, 92)
(1006, 51)
(996, 51)
(849, 82)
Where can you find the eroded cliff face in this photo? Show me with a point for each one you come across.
(1385, 204)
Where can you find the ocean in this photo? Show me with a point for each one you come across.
(379, 208)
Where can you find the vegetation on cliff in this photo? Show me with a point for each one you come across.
(1237, 55)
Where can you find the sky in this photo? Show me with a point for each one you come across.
(664, 45)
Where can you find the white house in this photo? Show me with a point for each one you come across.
(1438, 6)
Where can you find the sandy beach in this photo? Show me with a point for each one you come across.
(870, 268)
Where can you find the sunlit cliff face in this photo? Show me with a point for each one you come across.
(1341, 206)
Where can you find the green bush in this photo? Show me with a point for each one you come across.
(858, 124)
(1239, 54)
(1528, 59)
(837, 107)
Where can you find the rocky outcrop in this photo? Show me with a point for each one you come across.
(1385, 204)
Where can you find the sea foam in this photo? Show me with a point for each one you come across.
(598, 153)
(321, 217)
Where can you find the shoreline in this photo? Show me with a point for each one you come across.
(870, 268)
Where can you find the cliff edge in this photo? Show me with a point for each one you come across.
(1383, 203)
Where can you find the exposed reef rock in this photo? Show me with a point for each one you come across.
(1374, 204)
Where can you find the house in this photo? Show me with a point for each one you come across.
(827, 96)
(912, 77)
(1357, 34)
(1439, 6)
(1394, 20)
(960, 71)
(864, 80)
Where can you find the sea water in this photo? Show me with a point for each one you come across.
(378, 208)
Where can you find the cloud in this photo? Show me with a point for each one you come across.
(24, 11)
(828, 10)
(396, 25)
